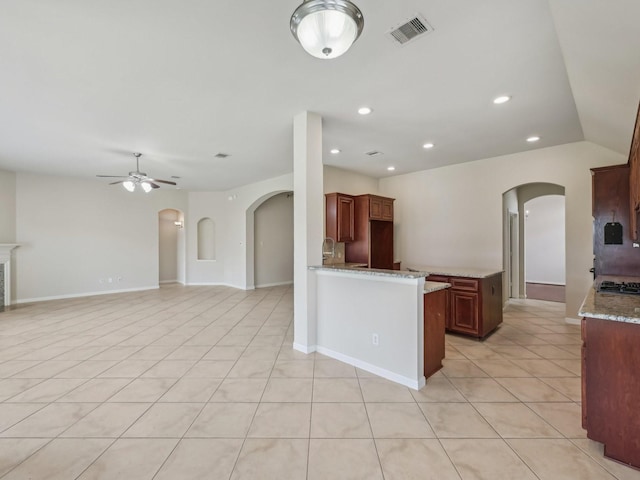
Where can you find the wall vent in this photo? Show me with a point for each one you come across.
(221, 155)
(373, 153)
(411, 29)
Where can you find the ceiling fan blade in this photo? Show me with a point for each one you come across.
(163, 181)
(153, 185)
(116, 183)
(112, 176)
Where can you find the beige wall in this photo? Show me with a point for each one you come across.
(351, 183)
(168, 246)
(7, 207)
(452, 216)
(273, 241)
(76, 234)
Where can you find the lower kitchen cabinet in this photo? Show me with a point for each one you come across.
(474, 305)
(611, 387)
(435, 309)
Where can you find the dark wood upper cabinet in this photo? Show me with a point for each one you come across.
(634, 180)
(340, 217)
(380, 208)
(610, 192)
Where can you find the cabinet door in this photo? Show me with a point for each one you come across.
(375, 208)
(464, 311)
(345, 219)
(634, 180)
(387, 209)
(339, 217)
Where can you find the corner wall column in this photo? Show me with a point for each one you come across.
(307, 225)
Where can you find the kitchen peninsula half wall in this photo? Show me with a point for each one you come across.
(372, 319)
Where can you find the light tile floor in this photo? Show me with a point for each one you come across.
(202, 383)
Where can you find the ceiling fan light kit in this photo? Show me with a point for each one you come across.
(137, 178)
(326, 28)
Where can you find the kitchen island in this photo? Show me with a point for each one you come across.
(474, 305)
(610, 379)
(374, 319)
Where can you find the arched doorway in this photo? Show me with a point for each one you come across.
(171, 244)
(548, 229)
(270, 240)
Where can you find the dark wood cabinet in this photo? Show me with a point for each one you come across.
(435, 308)
(611, 387)
(634, 181)
(340, 217)
(373, 237)
(380, 208)
(611, 204)
(474, 304)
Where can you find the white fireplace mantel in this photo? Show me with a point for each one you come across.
(5, 262)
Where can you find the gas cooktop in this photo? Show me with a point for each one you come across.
(629, 288)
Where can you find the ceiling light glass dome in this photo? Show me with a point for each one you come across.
(327, 28)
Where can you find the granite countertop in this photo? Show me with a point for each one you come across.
(435, 286)
(358, 268)
(458, 271)
(612, 306)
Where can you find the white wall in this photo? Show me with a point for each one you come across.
(76, 234)
(345, 181)
(168, 245)
(352, 307)
(7, 207)
(452, 216)
(545, 240)
(273, 241)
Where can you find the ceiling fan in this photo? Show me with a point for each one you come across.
(137, 178)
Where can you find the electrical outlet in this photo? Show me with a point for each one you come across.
(110, 280)
(375, 339)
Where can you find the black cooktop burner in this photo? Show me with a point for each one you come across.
(630, 288)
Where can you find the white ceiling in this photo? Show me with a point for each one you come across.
(83, 84)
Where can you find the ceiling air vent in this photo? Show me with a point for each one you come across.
(221, 155)
(410, 30)
(373, 153)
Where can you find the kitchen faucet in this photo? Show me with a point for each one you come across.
(328, 253)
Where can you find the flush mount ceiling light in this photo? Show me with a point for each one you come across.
(364, 110)
(427, 146)
(533, 139)
(326, 28)
(501, 99)
(391, 169)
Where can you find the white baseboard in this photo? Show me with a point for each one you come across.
(304, 348)
(162, 282)
(277, 284)
(572, 321)
(87, 294)
(381, 372)
(555, 284)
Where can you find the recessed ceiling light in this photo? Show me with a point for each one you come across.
(391, 169)
(364, 110)
(533, 138)
(428, 145)
(501, 99)
(335, 151)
